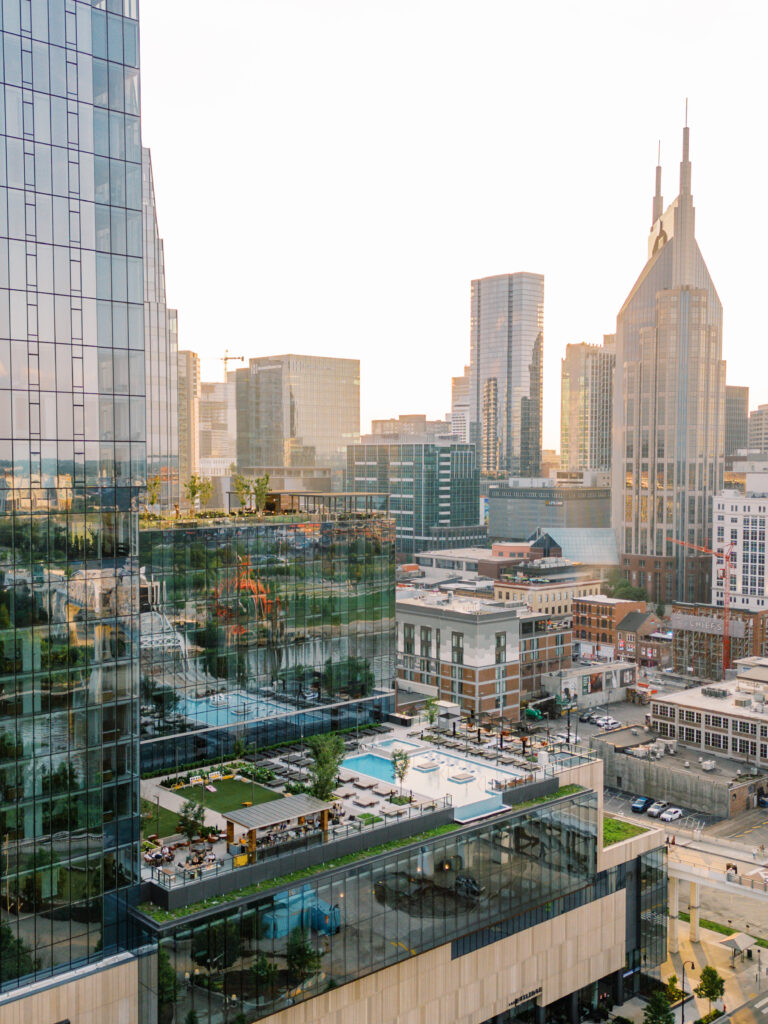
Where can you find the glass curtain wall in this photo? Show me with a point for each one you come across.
(72, 463)
(257, 633)
(289, 945)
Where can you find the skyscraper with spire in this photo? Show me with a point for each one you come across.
(669, 407)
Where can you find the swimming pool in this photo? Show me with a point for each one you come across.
(370, 764)
(226, 709)
(399, 745)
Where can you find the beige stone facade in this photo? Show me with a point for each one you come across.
(95, 995)
(549, 961)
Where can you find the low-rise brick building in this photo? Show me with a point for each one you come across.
(596, 620)
(697, 645)
(641, 637)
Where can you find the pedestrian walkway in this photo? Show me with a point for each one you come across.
(743, 981)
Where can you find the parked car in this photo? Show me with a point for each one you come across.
(671, 814)
(586, 716)
(762, 801)
(641, 804)
(657, 808)
(601, 721)
(612, 723)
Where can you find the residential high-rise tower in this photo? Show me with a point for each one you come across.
(669, 407)
(507, 344)
(736, 419)
(161, 340)
(586, 405)
(460, 389)
(189, 416)
(72, 470)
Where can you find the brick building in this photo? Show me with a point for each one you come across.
(596, 620)
(697, 645)
(640, 637)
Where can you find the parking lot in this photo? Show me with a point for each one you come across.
(616, 802)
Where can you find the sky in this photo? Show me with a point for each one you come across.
(330, 175)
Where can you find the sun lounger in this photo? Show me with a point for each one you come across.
(365, 800)
(383, 789)
(365, 783)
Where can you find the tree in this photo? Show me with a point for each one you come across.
(302, 959)
(199, 490)
(191, 818)
(264, 974)
(260, 490)
(242, 488)
(657, 1010)
(711, 985)
(401, 762)
(661, 610)
(167, 986)
(192, 1017)
(328, 753)
(15, 958)
(430, 709)
(153, 490)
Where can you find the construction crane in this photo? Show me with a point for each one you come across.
(726, 557)
(227, 358)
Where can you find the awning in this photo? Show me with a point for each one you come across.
(740, 941)
(277, 812)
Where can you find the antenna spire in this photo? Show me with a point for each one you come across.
(658, 201)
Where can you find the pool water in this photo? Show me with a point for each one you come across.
(369, 764)
(398, 745)
(203, 709)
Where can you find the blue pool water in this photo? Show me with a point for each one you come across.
(369, 764)
(389, 744)
(239, 709)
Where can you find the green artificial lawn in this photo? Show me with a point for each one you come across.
(229, 795)
(369, 819)
(615, 831)
(149, 820)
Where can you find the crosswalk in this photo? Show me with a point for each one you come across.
(762, 1006)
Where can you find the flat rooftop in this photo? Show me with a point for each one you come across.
(448, 602)
(741, 697)
(686, 759)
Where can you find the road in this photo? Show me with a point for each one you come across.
(755, 1011)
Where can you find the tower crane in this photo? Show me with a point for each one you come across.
(227, 358)
(727, 558)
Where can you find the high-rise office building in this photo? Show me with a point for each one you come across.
(736, 419)
(758, 429)
(507, 346)
(410, 425)
(161, 352)
(433, 484)
(218, 420)
(586, 405)
(73, 465)
(189, 416)
(460, 406)
(669, 407)
(289, 402)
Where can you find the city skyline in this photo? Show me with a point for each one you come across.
(560, 195)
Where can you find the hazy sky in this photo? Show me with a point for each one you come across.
(331, 174)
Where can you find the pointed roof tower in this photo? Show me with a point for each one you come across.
(658, 199)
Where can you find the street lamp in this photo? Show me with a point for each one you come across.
(692, 965)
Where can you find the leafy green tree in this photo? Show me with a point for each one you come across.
(242, 488)
(191, 818)
(153, 490)
(264, 973)
(430, 710)
(327, 753)
(260, 491)
(199, 490)
(711, 985)
(167, 986)
(657, 1010)
(192, 1017)
(15, 958)
(674, 992)
(401, 762)
(661, 610)
(302, 959)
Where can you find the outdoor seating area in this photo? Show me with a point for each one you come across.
(272, 824)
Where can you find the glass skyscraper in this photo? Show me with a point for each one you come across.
(586, 405)
(669, 408)
(505, 394)
(161, 342)
(72, 464)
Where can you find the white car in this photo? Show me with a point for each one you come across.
(671, 814)
(658, 808)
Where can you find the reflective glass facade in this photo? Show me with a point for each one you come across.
(384, 909)
(669, 408)
(259, 633)
(161, 348)
(507, 348)
(290, 402)
(586, 405)
(434, 489)
(72, 465)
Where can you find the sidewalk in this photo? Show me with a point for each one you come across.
(742, 982)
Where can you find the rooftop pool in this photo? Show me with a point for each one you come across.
(399, 745)
(433, 774)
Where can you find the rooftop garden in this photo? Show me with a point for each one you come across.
(616, 831)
